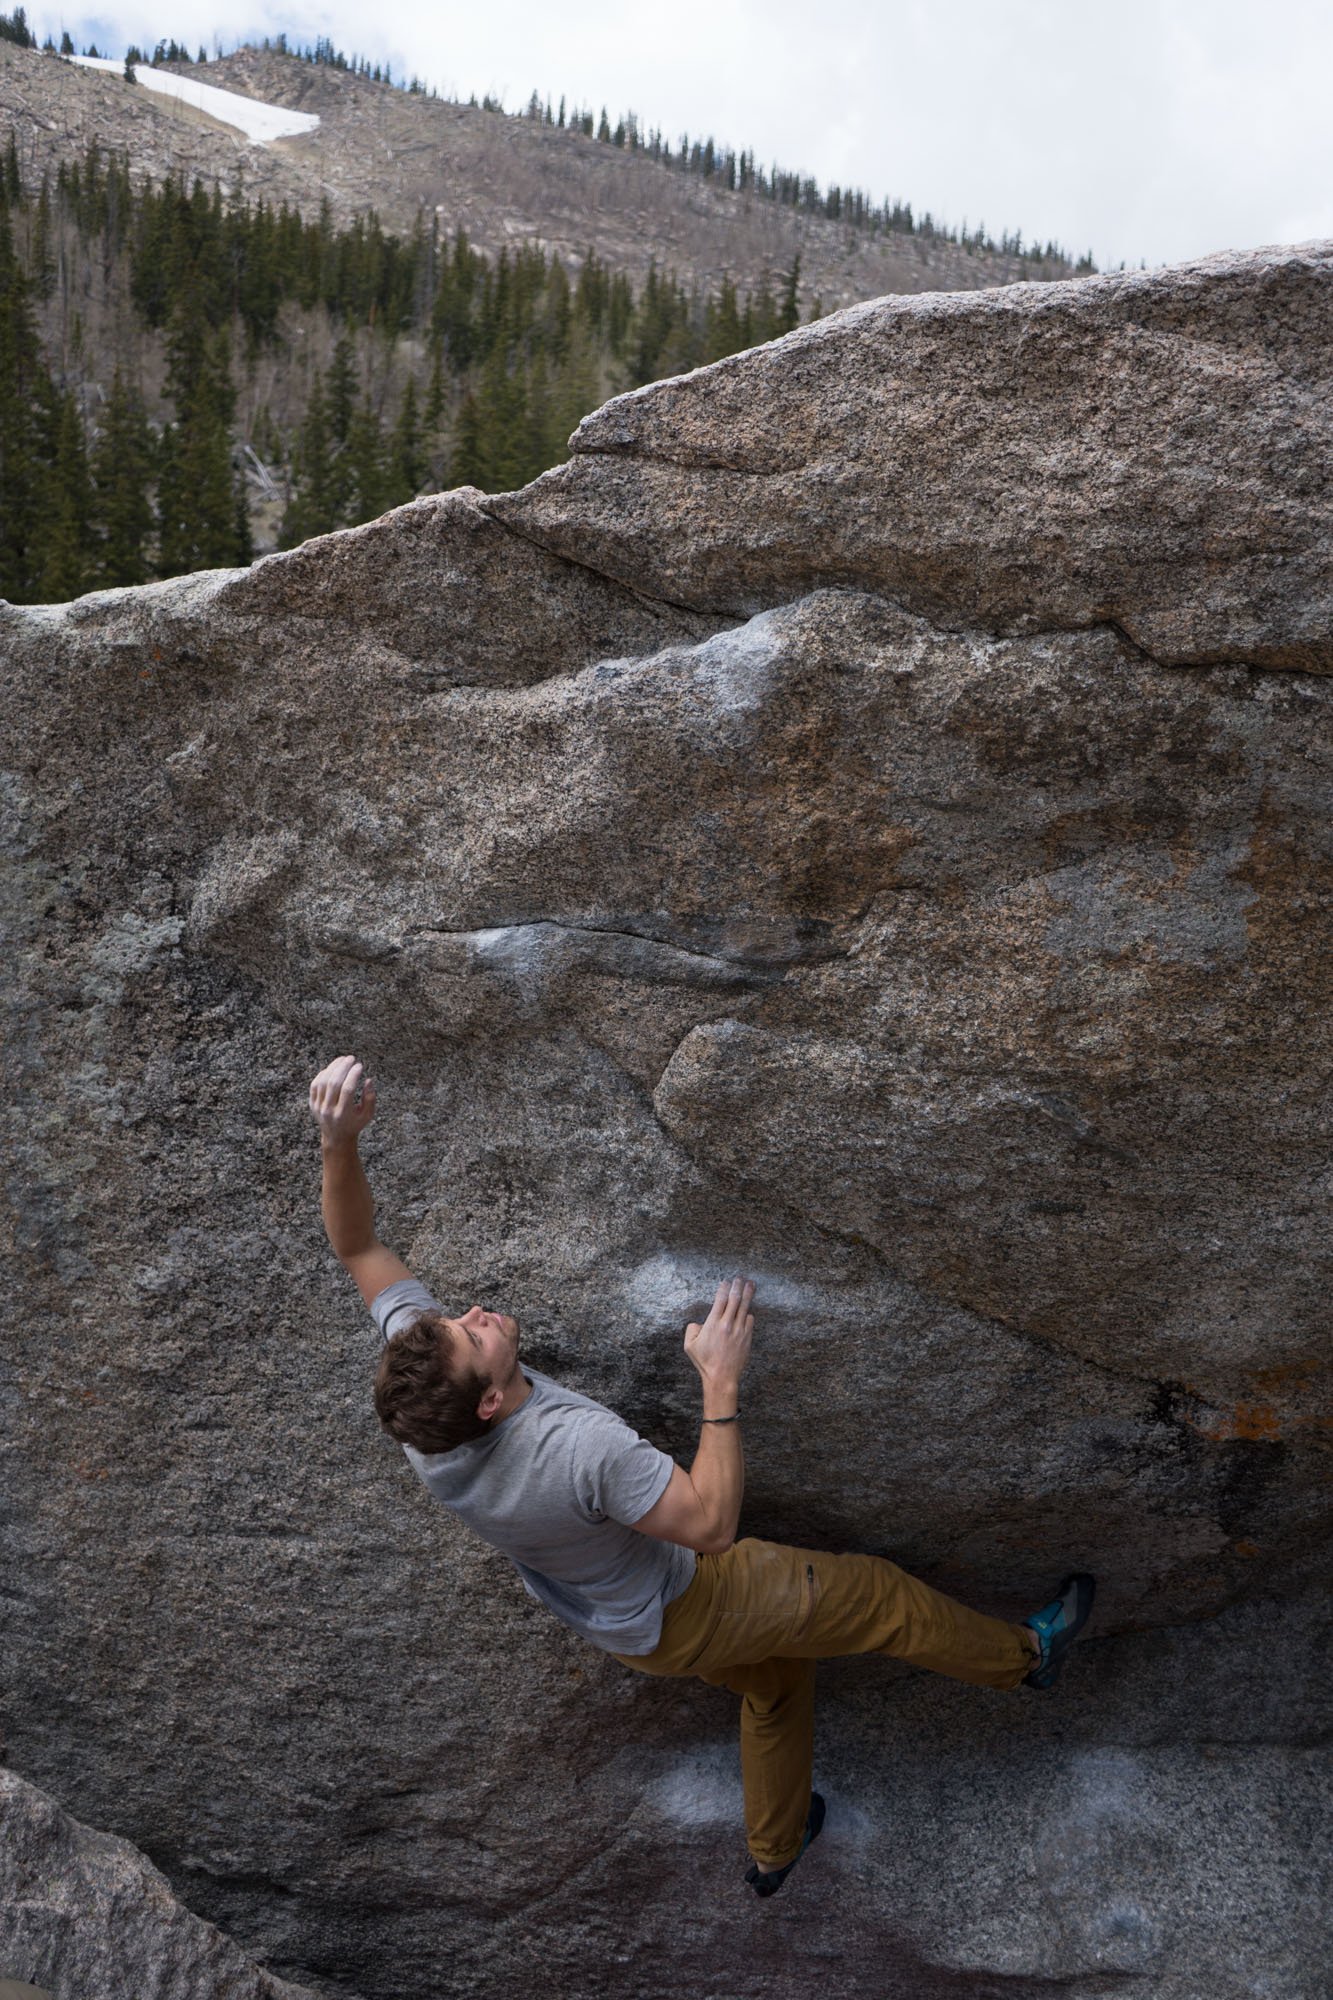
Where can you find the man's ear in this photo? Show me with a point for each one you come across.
(490, 1403)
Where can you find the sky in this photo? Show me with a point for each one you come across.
(1146, 132)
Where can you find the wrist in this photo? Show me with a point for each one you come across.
(721, 1399)
(337, 1142)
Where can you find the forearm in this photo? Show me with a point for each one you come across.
(346, 1200)
(718, 1472)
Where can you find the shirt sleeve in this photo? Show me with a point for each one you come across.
(399, 1304)
(619, 1476)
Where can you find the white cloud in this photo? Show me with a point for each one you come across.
(1158, 129)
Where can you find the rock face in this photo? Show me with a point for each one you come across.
(1151, 453)
(86, 1915)
(865, 821)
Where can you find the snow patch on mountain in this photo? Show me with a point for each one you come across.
(258, 121)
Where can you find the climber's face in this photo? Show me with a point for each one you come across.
(488, 1342)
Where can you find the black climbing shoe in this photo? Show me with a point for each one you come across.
(1058, 1624)
(769, 1884)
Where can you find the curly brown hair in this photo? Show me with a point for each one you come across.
(417, 1399)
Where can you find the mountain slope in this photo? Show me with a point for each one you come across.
(504, 179)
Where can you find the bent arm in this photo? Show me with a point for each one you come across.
(701, 1508)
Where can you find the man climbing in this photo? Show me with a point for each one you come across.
(626, 1547)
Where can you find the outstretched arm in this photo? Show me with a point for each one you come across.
(701, 1508)
(349, 1210)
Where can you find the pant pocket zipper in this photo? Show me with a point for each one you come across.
(810, 1592)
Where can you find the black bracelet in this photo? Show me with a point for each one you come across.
(724, 1420)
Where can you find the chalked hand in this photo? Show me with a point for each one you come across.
(342, 1099)
(720, 1347)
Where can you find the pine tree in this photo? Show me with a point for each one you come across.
(680, 350)
(763, 318)
(122, 468)
(619, 311)
(434, 410)
(559, 311)
(341, 402)
(14, 28)
(68, 561)
(41, 259)
(242, 539)
(407, 457)
(196, 496)
(314, 510)
(722, 326)
(577, 388)
(504, 424)
(341, 391)
(467, 466)
(365, 464)
(789, 312)
(541, 446)
(27, 401)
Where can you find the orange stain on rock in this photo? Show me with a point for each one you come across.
(1289, 1378)
(1257, 1421)
(1272, 1411)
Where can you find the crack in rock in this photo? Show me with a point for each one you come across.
(733, 615)
(741, 965)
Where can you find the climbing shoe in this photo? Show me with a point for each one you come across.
(768, 1884)
(1058, 1624)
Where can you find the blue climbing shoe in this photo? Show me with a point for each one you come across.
(768, 1884)
(1058, 1624)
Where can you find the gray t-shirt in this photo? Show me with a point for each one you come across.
(557, 1487)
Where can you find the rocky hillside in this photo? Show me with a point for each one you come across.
(863, 820)
(506, 180)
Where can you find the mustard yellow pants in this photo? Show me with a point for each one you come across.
(757, 1618)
